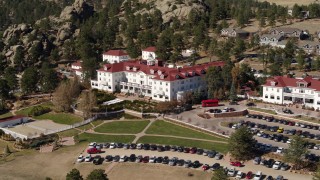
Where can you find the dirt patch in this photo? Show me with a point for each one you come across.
(155, 172)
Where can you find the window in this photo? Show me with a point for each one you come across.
(272, 97)
(301, 90)
(160, 83)
(278, 97)
(141, 76)
(266, 96)
(277, 90)
(266, 89)
(166, 84)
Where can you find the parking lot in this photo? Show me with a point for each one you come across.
(225, 162)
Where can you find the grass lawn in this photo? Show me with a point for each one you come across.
(85, 127)
(97, 122)
(309, 119)
(129, 127)
(263, 110)
(87, 137)
(5, 115)
(68, 133)
(166, 128)
(61, 118)
(220, 147)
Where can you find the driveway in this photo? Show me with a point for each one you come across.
(249, 166)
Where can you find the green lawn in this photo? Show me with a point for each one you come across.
(61, 118)
(85, 127)
(263, 110)
(5, 115)
(129, 127)
(220, 147)
(86, 137)
(68, 133)
(97, 122)
(26, 111)
(166, 128)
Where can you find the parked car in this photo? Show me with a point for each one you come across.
(236, 163)
(280, 177)
(196, 164)
(145, 159)
(159, 159)
(215, 166)
(258, 176)
(187, 164)
(106, 145)
(280, 130)
(231, 172)
(93, 151)
(218, 156)
(80, 158)
(139, 159)
(250, 104)
(165, 160)
(132, 158)
(92, 145)
(152, 159)
(133, 146)
(123, 158)
(193, 150)
(186, 150)
(116, 158)
(277, 165)
(279, 150)
(239, 175)
(205, 167)
(139, 146)
(112, 145)
(146, 146)
(257, 160)
(173, 161)
(249, 175)
(284, 167)
(97, 160)
(88, 158)
(200, 151)
(180, 162)
(108, 158)
(269, 178)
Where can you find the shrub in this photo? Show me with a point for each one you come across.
(39, 110)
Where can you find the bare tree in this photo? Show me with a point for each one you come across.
(87, 102)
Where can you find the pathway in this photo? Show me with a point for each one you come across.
(142, 133)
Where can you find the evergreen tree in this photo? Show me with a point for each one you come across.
(316, 175)
(132, 49)
(300, 59)
(97, 174)
(19, 58)
(241, 144)
(74, 174)
(219, 174)
(296, 151)
(29, 80)
(11, 78)
(317, 64)
(49, 79)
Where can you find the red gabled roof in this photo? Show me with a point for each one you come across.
(169, 73)
(150, 49)
(284, 81)
(11, 118)
(77, 63)
(115, 53)
(210, 101)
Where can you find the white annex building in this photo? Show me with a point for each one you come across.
(150, 78)
(115, 56)
(286, 90)
(149, 53)
(77, 68)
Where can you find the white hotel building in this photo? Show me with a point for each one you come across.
(150, 78)
(286, 90)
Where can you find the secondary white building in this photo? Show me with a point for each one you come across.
(149, 53)
(77, 68)
(115, 56)
(286, 90)
(150, 78)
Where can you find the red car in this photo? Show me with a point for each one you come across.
(145, 159)
(193, 150)
(236, 163)
(249, 175)
(93, 151)
(205, 167)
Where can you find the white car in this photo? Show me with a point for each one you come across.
(279, 150)
(235, 126)
(139, 146)
(297, 124)
(258, 175)
(231, 172)
(92, 145)
(289, 141)
(80, 158)
(260, 133)
(152, 159)
(277, 165)
(123, 158)
(112, 145)
(317, 147)
(88, 158)
(239, 175)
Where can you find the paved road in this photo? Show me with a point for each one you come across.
(249, 166)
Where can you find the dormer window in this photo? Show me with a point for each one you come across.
(105, 68)
(162, 76)
(134, 68)
(273, 83)
(301, 84)
(151, 71)
(177, 76)
(127, 68)
(159, 72)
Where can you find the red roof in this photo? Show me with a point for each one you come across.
(150, 49)
(77, 63)
(168, 74)
(284, 81)
(115, 53)
(11, 118)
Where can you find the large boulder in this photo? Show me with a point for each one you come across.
(80, 9)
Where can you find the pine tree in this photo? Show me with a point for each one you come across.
(219, 174)
(74, 174)
(296, 151)
(97, 174)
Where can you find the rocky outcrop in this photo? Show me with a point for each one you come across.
(173, 8)
(80, 9)
(15, 31)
